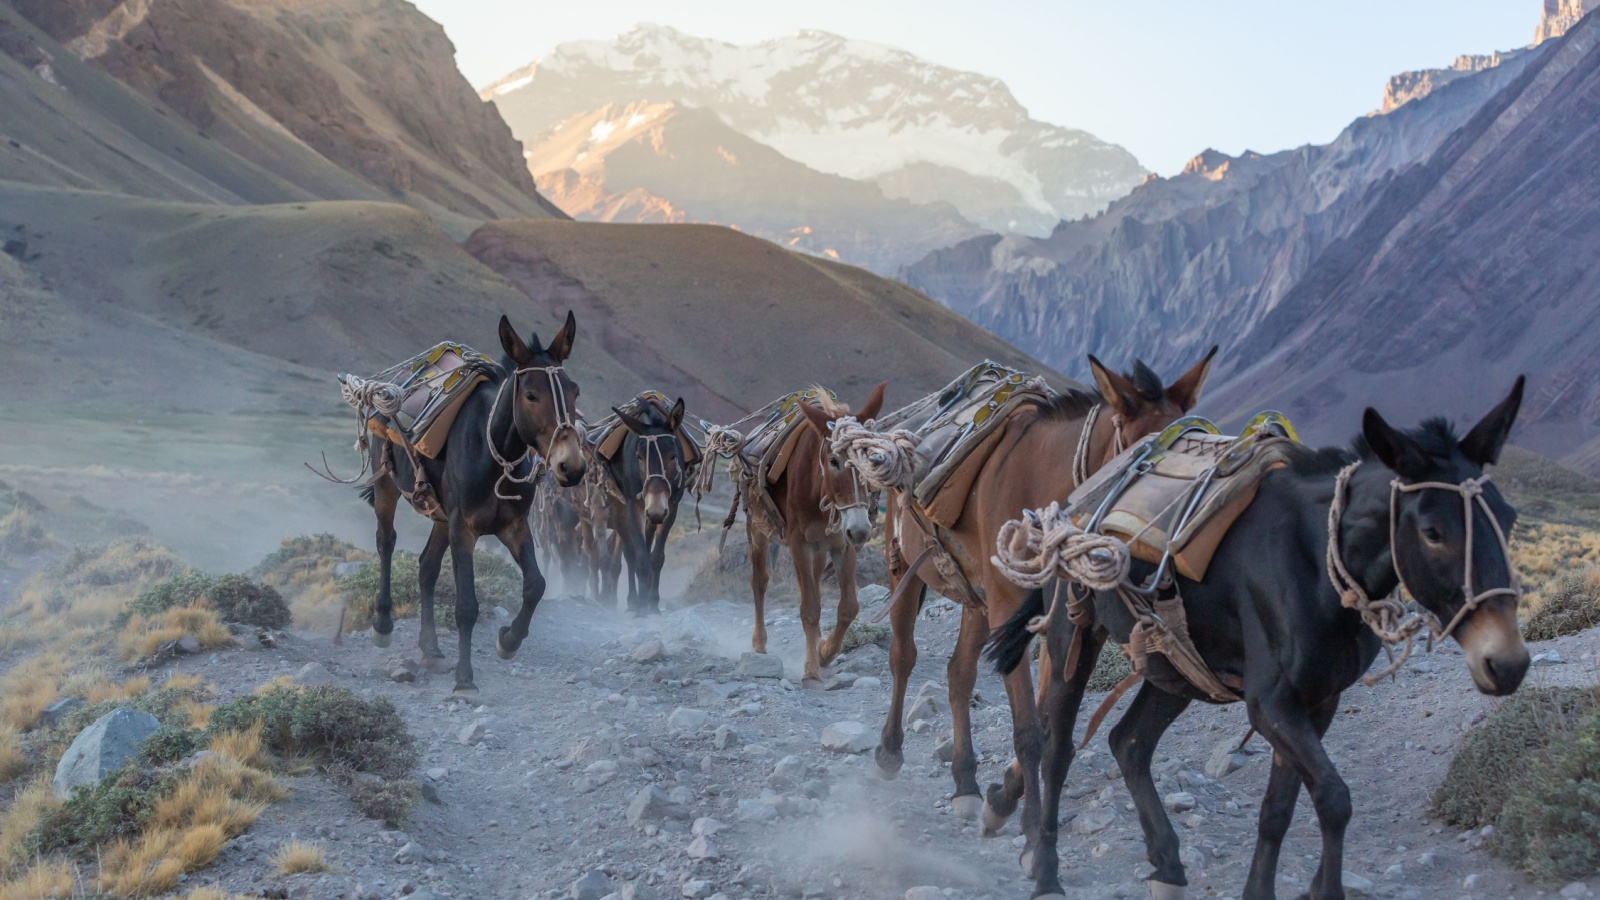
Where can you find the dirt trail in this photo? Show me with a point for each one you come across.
(574, 729)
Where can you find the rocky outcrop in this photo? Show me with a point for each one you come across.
(1414, 85)
(920, 131)
(1559, 17)
(367, 85)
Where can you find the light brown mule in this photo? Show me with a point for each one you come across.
(826, 514)
(1032, 466)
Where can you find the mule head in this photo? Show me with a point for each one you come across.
(841, 486)
(1141, 403)
(1445, 559)
(544, 398)
(658, 455)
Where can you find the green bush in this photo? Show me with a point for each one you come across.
(170, 744)
(498, 582)
(1573, 606)
(1514, 740)
(862, 633)
(308, 552)
(169, 705)
(390, 800)
(1109, 669)
(1550, 826)
(234, 598)
(118, 806)
(327, 723)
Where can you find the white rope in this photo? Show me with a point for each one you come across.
(367, 395)
(655, 462)
(884, 460)
(1471, 491)
(564, 422)
(1044, 545)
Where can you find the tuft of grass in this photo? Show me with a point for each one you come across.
(497, 581)
(142, 639)
(328, 723)
(1546, 552)
(21, 817)
(300, 857)
(171, 704)
(235, 598)
(388, 800)
(21, 534)
(29, 687)
(43, 881)
(88, 587)
(13, 759)
(242, 746)
(303, 571)
(1571, 605)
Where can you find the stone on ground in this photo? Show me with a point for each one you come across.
(924, 892)
(848, 737)
(648, 652)
(652, 804)
(1094, 821)
(702, 847)
(707, 826)
(1224, 759)
(314, 674)
(759, 665)
(56, 713)
(696, 888)
(724, 737)
(1179, 801)
(103, 748)
(930, 702)
(473, 734)
(1356, 887)
(189, 645)
(686, 719)
(591, 886)
(944, 749)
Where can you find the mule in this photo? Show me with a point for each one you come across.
(527, 406)
(648, 475)
(1032, 465)
(1269, 613)
(561, 532)
(826, 519)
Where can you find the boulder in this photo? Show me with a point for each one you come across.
(592, 886)
(103, 748)
(848, 737)
(648, 652)
(759, 665)
(55, 714)
(653, 804)
(686, 719)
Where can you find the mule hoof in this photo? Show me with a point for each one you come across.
(811, 683)
(438, 665)
(1026, 860)
(500, 644)
(967, 806)
(887, 773)
(1162, 891)
(381, 640)
(993, 821)
(465, 692)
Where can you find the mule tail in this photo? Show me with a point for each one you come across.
(1008, 644)
(367, 493)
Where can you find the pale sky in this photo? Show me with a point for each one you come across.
(1163, 78)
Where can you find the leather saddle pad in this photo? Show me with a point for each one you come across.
(956, 441)
(607, 436)
(434, 386)
(769, 446)
(1148, 514)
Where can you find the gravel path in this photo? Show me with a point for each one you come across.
(594, 765)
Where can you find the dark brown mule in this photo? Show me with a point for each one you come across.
(826, 517)
(1032, 466)
(645, 485)
(527, 406)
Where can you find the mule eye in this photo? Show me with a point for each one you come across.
(833, 461)
(1432, 535)
(530, 396)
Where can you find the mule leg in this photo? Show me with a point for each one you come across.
(962, 672)
(1002, 799)
(385, 497)
(519, 541)
(634, 552)
(902, 659)
(428, 566)
(844, 567)
(807, 566)
(757, 551)
(1027, 739)
(1133, 743)
(462, 541)
(658, 558)
(1296, 734)
(1277, 812)
(1061, 700)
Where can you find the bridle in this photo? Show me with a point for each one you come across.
(564, 422)
(1080, 458)
(1387, 616)
(655, 462)
(1471, 492)
(860, 497)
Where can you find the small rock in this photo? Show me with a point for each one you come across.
(686, 719)
(1395, 871)
(1224, 760)
(646, 757)
(759, 665)
(1471, 881)
(748, 709)
(706, 826)
(438, 774)
(944, 749)
(702, 847)
(1427, 859)
(868, 682)
(1355, 886)
(189, 645)
(411, 853)
(314, 674)
(403, 673)
(682, 795)
(931, 701)
(696, 888)
(1100, 849)
(591, 886)
(1548, 658)
(56, 713)
(648, 652)
(815, 789)
(848, 737)
(430, 793)
(472, 734)
(920, 726)
(755, 811)
(1192, 858)
(652, 803)
(1575, 889)
(103, 748)
(1180, 801)
(790, 766)
(724, 737)
(840, 681)
(924, 892)
(1094, 821)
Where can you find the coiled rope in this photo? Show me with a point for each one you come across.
(1045, 545)
(884, 459)
(1386, 616)
(366, 395)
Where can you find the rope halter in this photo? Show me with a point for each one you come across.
(564, 422)
(655, 461)
(1080, 458)
(860, 498)
(1471, 492)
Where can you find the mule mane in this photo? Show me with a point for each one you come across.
(830, 406)
(1436, 436)
(1146, 382)
(1069, 405)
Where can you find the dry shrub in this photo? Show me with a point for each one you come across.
(242, 745)
(211, 893)
(388, 800)
(29, 687)
(171, 703)
(302, 570)
(103, 690)
(299, 857)
(1550, 826)
(13, 759)
(329, 723)
(44, 881)
(141, 638)
(496, 580)
(90, 586)
(861, 633)
(235, 598)
(1570, 606)
(1110, 668)
(21, 534)
(1545, 552)
(21, 817)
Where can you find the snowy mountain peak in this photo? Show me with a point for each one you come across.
(862, 110)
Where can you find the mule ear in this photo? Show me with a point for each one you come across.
(629, 422)
(512, 343)
(1393, 448)
(1116, 390)
(819, 419)
(1185, 392)
(1484, 442)
(675, 415)
(874, 404)
(561, 347)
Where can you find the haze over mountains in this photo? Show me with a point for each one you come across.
(903, 138)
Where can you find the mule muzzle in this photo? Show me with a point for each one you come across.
(1496, 655)
(657, 503)
(567, 464)
(855, 525)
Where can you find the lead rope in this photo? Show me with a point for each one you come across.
(1387, 615)
(652, 453)
(564, 422)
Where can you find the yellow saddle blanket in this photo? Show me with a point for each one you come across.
(1180, 491)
